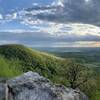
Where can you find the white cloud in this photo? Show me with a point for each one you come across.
(1, 17)
(35, 4)
(16, 31)
(87, 0)
(58, 3)
(68, 44)
(84, 29)
(8, 42)
(61, 29)
(11, 16)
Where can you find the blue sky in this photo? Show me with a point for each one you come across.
(53, 23)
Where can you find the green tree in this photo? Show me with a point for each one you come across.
(77, 74)
(80, 76)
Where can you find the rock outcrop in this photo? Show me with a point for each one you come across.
(32, 86)
(2, 88)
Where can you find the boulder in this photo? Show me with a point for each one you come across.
(2, 91)
(32, 86)
(2, 88)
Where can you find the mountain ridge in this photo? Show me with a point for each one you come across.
(45, 64)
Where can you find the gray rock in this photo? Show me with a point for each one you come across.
(3, 80)
(2, 91)
(2, 88)
(32, 86)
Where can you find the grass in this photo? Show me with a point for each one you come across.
(43, 63)
(97, 97)
(9, 68)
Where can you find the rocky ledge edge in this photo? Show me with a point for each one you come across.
(32, 86)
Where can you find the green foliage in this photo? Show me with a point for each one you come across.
(9, 68)
(45, 64)
(91, 59)
(82, 57)
(76, 74)
(89, 88)
(97, 96)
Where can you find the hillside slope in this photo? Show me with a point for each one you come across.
(29, 59)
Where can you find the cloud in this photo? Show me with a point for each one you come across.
(32, 38)
(61, 29)
(6, 42)
(63, 22)
(62, 11)
(58, 3)
(8, 18)
(79, 11)
(1, 17)
(11, 16)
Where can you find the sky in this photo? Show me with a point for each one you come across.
(50, 23)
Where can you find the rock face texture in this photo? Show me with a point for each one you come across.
(32, 86)
(2, 88)
(2, 91)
